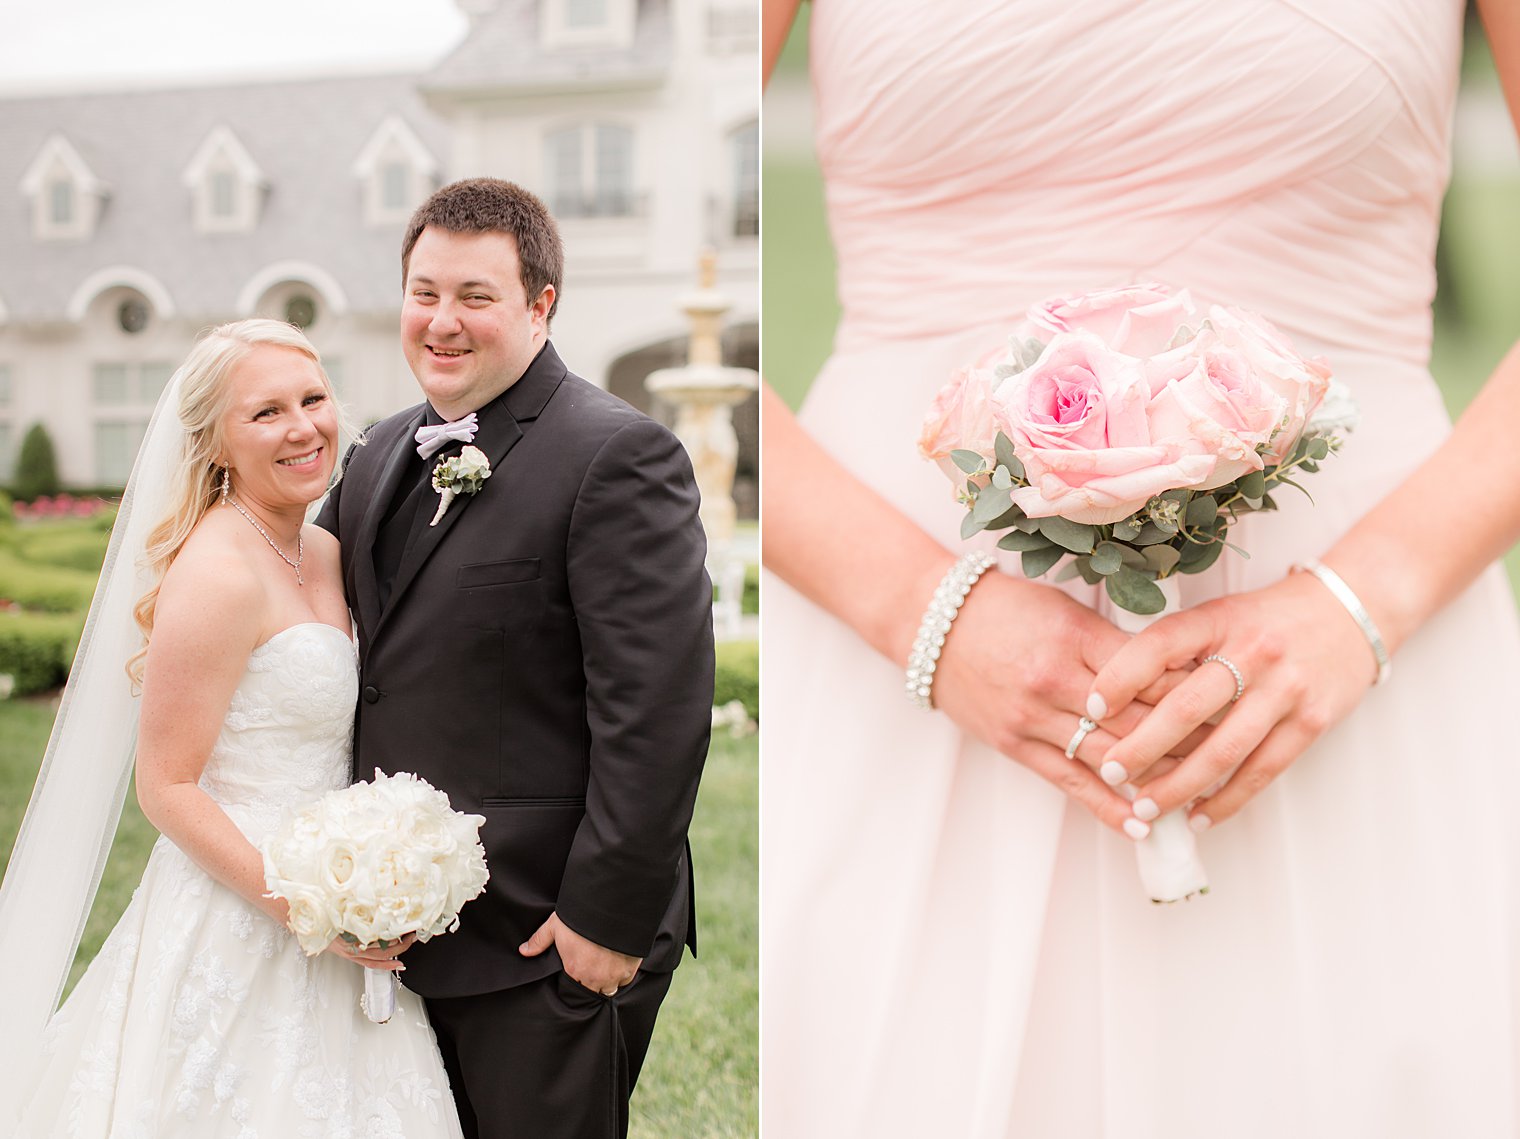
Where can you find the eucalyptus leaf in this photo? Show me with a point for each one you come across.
(1003, 448)
(1135, 592)
(1150, 534)
(1318, 448)
(1074, 536)
(1253, 485)
(1134, 558)
(990, 503)
(1308, 465)
(970, 527)
(1006, 519)
(1196, 559)
(1019, 541)
(1027, 524)
(968, 461)
(1001, 478)
(1202, 510)
(1162, 559)
(1107, 558)
(1089, 575)
(1066, 572)
(1126, 530)
(1180, 497)
(1036, 562)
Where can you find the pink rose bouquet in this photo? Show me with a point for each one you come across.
(1128, 428)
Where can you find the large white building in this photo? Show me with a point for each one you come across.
(132, 220)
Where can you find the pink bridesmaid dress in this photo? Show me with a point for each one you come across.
(949, 947)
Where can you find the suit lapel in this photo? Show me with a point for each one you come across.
(367, 588)
(501, 427)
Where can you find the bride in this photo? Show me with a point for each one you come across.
(201, 1015)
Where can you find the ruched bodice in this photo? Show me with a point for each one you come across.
(1285, 158)
(286, 738)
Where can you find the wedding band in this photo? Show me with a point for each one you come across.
(1240, 681)
(1084, 725)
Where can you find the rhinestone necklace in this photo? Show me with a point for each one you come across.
(275, 546)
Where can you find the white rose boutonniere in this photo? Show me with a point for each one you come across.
(465, 473)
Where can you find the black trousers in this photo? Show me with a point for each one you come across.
(547, 1060)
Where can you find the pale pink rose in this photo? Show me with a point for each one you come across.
(1138, 320)
(960, 419)
(1205, 398)
(1077, 419)
(1301, 383)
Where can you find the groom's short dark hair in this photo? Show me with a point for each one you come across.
(491, 205)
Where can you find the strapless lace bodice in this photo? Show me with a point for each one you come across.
(286, 739)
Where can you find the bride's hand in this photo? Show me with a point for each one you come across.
(1015, 672)
(374, 956)
(1304, 664)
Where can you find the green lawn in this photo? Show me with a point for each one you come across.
(700, 1081)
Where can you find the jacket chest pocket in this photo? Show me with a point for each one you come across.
(500, 595)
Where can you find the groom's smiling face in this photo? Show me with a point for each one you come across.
(467, 327)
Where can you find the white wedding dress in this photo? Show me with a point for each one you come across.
(201, 1016)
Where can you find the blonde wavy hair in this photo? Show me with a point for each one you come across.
(205, 395)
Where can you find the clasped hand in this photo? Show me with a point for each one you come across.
(1024, 660)
(1304, 664)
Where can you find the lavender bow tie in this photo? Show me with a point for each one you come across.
(434, 438)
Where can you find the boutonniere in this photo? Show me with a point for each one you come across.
(465, 473)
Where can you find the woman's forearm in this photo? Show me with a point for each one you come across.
(1459, 511)
(840, 543)
(193, 821)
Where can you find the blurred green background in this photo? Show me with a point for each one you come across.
(1478, 260)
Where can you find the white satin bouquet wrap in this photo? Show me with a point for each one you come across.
(372, 863)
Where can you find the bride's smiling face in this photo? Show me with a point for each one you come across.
(280, 430)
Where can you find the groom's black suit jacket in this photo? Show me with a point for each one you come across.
(544, 656)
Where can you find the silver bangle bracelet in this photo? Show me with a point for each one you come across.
(1353, 605)
(948, 598)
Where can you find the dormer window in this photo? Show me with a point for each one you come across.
(226, 185)
(66, 196)
(395, 171)
(568, 23)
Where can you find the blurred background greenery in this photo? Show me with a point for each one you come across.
(1478, 259)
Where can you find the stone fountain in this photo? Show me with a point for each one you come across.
(705, 392)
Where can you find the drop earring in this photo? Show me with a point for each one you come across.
(226, 484)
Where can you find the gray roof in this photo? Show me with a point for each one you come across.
(305, 137)
(501, 54)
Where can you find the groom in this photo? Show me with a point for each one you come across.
(542, 651)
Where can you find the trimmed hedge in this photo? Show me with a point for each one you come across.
(738, 675)
(81, 546)
(38, 648)
(36, 468)
(53, 589)
(751, 602)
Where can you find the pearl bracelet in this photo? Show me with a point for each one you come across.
(948, 598)
(1353, 605)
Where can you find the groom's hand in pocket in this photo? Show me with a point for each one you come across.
(588, 964)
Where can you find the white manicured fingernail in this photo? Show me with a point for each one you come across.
(1200, 823)
(1097, 707)
(1136, 829)
(1146, 809)
(1113, 773)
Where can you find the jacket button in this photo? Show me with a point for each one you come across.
(371, 694)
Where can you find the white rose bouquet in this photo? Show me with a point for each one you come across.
(1122, 432)
(372, 863)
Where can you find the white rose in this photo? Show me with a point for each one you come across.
(473, 462)
(308, 920)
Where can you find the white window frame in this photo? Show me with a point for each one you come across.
(142, 382)
(394, 144)
(589, 197)
(744, 194)
(557, 30)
